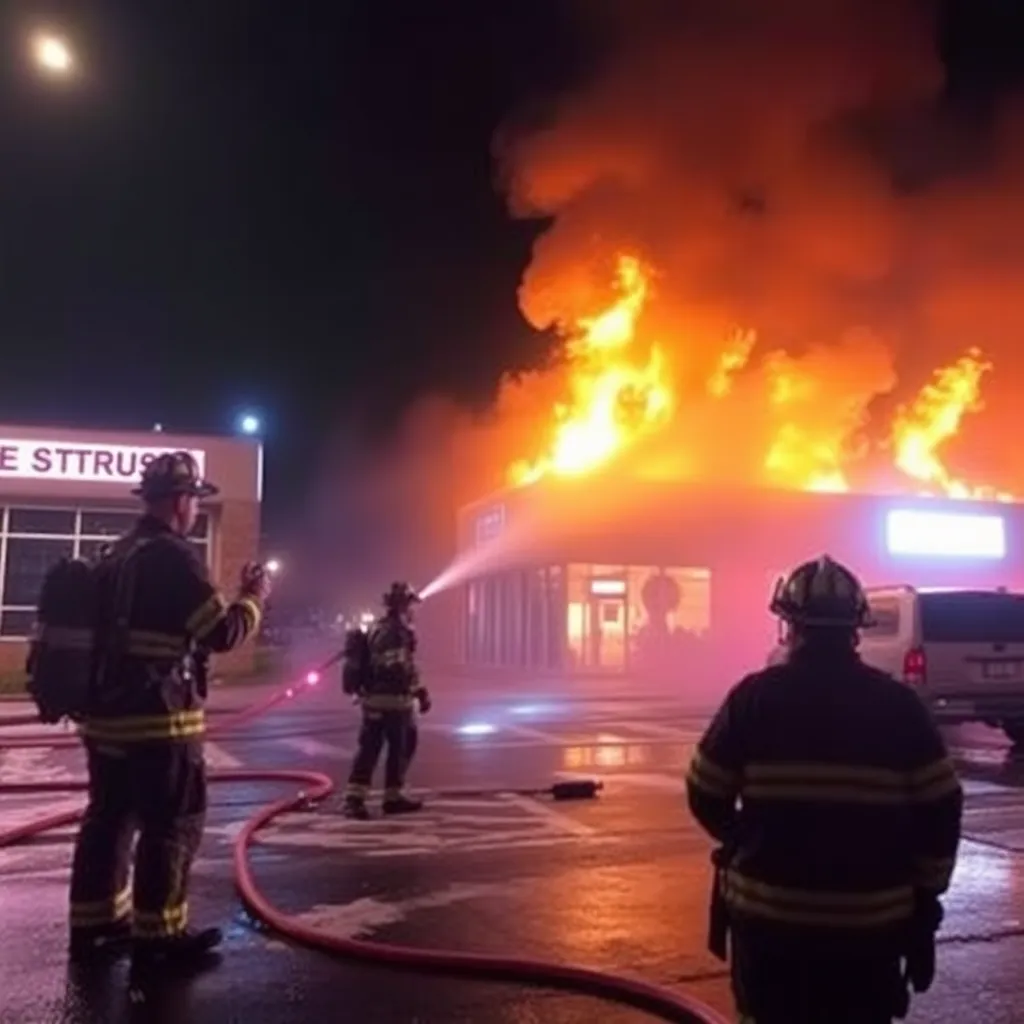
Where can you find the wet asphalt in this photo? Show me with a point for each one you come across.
(491, 865)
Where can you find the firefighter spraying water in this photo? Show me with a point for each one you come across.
(379, 671)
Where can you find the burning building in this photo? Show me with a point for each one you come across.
(786, 289)
(622, 548)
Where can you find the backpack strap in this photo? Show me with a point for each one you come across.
(113, 634)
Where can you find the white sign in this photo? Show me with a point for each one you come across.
(912, 532)
(84, 463)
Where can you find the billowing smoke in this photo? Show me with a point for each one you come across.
(789, 168)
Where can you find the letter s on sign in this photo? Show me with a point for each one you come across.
(42, 460)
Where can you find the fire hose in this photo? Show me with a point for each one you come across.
(317, 787)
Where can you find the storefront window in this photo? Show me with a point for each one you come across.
(597, 616)
(26, 562)
(57, 521)
(106, 524)
(33, 539)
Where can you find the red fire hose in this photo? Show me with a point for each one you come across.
(657, 1000)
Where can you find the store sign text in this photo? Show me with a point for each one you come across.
(63, 460)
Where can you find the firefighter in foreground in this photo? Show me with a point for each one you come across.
(157, 616)
(380, 671)
(837, 811)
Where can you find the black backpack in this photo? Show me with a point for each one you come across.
(355, 665)
(66, 656)
(62, 654)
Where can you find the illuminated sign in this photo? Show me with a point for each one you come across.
(608, 588)
(949, 534)
(80, 463)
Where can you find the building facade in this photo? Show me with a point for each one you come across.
(68, 492)
(582, 579)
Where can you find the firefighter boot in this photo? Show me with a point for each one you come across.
(188, 950)
(99, 943)
(356, 809)
(400, 804)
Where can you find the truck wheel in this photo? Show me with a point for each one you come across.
(1014, 729)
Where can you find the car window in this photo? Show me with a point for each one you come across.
(966, 617)
(885, 617)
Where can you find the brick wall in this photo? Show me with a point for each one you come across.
(237, 542)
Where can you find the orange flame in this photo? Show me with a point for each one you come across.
(620, 391)
(614, 397)
(921, 428)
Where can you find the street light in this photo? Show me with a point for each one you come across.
(53, 54)
(249, 424)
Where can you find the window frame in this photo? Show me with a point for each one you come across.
(890, 606)
(204, 541)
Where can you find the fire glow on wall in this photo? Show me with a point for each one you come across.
(945, 534)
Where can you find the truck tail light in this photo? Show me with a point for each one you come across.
(915, 667)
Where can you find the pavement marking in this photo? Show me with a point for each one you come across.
(32, 764)
(557, 818)
(312, 748)
(363, 917)
(980, 755)
(447, 825)
(218, 758)
(980, 787)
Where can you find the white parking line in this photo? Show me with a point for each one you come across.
(312, 748)
(218, 758)
(560, 821)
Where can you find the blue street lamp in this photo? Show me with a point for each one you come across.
(249, 424)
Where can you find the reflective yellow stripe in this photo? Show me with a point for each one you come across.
(934, 782)
(940, 769)
(390, 657)
(102, 912)
(705, 775)
(204, 619)
(388, 701)
(356, 791)
(253, 613)
(161, 924)
(393, 794)
(137, 728)
(63, 638)
(818, 908)
(143, 641)
(825, 782)
(934, 873)
(810, 781)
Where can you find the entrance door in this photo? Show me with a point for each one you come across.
(608, 633)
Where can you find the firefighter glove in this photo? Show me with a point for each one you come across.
(424, 700)
(920, 952)
(255, 581)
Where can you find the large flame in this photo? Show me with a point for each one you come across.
(616, 394)
(921, 428)
(619, 392)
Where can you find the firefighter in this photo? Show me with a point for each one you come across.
(158, 617)
(390, 692)
(838, 813)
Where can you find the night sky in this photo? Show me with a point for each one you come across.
(289, 206)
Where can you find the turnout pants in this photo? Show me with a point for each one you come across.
(157, 793)
(787, 986)
(396, 729)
